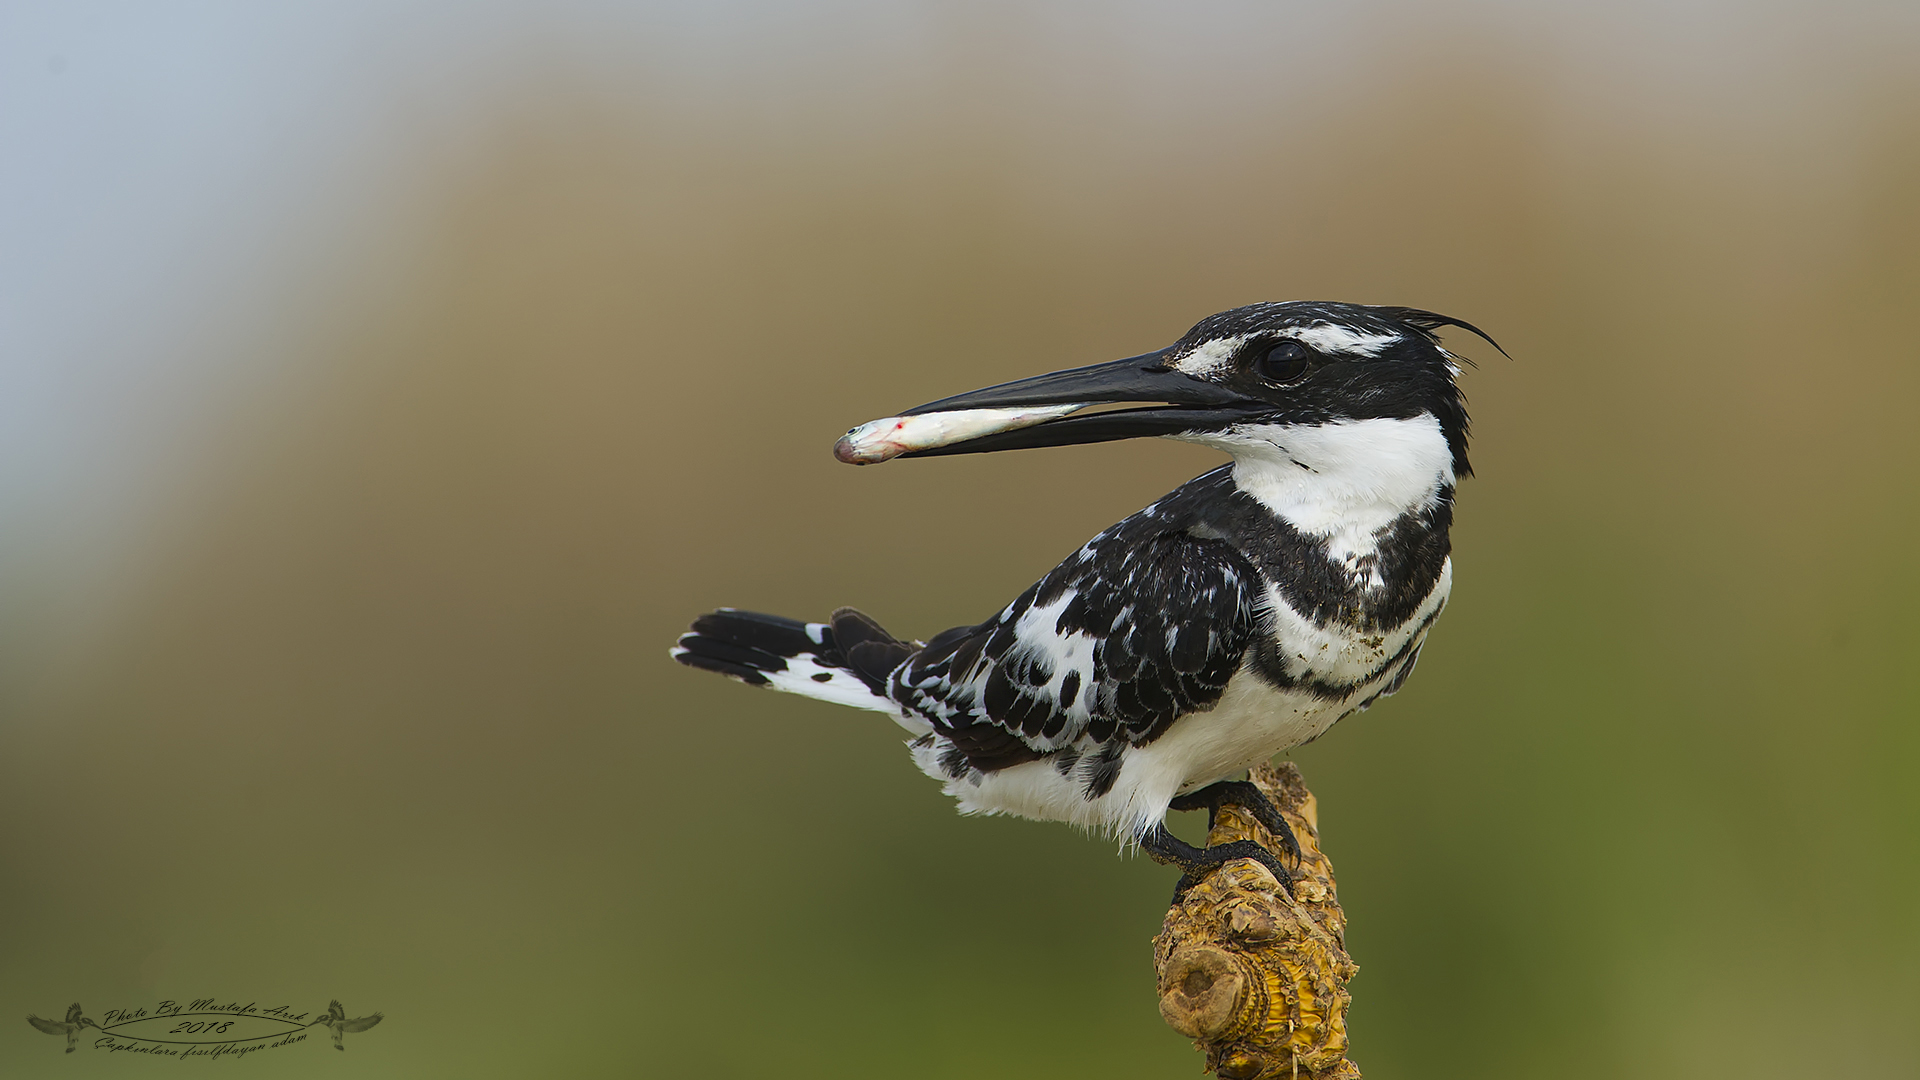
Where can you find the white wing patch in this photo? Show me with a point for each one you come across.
(1062, 655)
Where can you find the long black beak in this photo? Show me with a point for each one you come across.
(1031, 412)
(1137, 378)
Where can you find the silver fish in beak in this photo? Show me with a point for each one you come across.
(890, 436)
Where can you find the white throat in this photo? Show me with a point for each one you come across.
(1341, 481)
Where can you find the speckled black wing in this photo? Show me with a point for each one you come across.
(1142, 625)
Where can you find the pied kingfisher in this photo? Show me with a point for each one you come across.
(1240, 615)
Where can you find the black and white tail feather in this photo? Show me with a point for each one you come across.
(846, 661)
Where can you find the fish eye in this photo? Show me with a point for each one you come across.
(1285, 364)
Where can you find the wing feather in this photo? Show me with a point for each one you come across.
(1144, 624)
(361, 1023)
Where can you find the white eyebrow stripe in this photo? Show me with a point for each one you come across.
(1332, 338)
(1209, 357)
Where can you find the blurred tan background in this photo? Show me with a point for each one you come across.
(383, 387)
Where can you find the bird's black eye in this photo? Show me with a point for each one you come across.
(1285, 364)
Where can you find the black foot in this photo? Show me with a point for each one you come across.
(1195, 862)
(1247, 796)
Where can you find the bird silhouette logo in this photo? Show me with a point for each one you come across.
(335, 1020)
(70, 1027)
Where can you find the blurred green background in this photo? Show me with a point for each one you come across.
(383, 387)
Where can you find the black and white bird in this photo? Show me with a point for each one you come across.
(71, 1027)
(335, 1019)
(1241, 615)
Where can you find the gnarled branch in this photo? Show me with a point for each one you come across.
(1257, 978)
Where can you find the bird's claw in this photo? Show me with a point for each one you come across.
(1196, 863)
(1247, 796)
